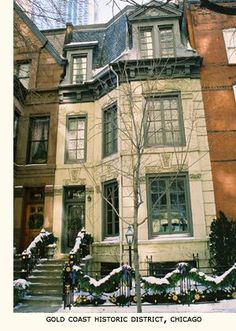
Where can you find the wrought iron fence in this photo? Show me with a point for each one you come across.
(183, 285)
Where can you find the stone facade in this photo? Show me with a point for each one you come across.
(88, 178)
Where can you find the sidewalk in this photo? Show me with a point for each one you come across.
(224, 306)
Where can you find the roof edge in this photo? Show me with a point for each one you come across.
(42, 38)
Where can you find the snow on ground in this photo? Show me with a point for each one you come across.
(224, 306)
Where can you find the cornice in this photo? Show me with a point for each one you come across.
(131, 70)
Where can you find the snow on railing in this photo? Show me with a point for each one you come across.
(35, 250)
(78, 259)
(35, 243)
(78, 240)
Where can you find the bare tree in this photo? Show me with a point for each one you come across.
(137, 105)
(136, 102)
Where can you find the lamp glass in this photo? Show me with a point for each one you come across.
(129, 235)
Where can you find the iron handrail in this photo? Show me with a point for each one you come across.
(80, 251)
(35, 251)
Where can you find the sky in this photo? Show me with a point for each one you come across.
(107, 10)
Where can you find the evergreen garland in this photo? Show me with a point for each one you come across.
(116, 287)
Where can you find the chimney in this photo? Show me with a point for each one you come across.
(69, 33)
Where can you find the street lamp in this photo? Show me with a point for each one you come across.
(129, 238)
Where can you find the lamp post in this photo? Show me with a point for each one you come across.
(129, 238)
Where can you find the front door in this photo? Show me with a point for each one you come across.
(74, 215)
(34, 215)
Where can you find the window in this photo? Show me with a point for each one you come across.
(107, 267)
(110, 130)
(156, 41)
(15, 132)
(146, 42)
(230, 44)
(167, 47)
(79, 69)
(111, 208)
(164, 122)
(168, 204)
(75, 142)
(22, 71)
(38, 140)
(234, 90)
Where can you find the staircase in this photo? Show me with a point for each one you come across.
(45, 289)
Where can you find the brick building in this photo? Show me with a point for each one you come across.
(213, 35)
(38, 69)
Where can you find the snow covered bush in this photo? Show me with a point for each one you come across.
(20, 289)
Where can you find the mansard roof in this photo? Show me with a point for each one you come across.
(112, 40)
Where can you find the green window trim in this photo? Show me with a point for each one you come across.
(79, 71)
(111, 219)
(38, 140)
(168, 201)
(166, 41)
(110, 130)
(146, 45)
(76, 142)
(164, 124)
(156, 41)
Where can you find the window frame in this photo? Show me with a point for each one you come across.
(114, 142)
(77, 56)
(181, 128)
(15, 131)
(168, 178)
(82, 117)
(156, 39)
(234, 91)
(30, 141)
(165, 28)
(226, 32)
(115, 219)
(149, 29)
(25, 80)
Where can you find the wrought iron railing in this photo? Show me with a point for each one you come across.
(78, 260)
(35, 251)
(183, 285)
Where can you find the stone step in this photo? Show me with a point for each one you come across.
(43, 304)
(46, 287)
(48, 279)
(45, 273)
(41, 291)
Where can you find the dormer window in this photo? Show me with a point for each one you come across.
(79, 69)
(167, 47)
(156, 41)
(146, 42)
(80, 62)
